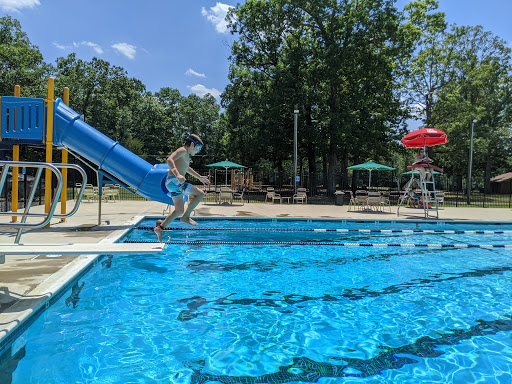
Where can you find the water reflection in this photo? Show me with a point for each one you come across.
(195, 302)
(8, 364)
(303, 369)
(73, 298)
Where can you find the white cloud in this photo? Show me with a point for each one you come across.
(16, 5)
(191, 72)
(200, 90)
(126, 49)
(217, 16)
(60, 46)
(94, 46)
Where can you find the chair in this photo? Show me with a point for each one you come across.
(352, 203)
(300, 196)
(361, 199)
(374, 200)
(226, 194)
(385, 201)
(239, 196)
(211, 195)
(272, 195)
(112, 192)
(440, 197)
(90, 193)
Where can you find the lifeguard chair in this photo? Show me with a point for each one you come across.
(424, 137)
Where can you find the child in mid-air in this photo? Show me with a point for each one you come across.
(179, 166)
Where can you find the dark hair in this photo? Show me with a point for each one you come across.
(194, 137)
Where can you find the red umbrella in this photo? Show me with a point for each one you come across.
(424, 137)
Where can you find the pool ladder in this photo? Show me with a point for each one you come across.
(55, 168)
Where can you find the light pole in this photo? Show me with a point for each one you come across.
(470, 167)
(295, 119)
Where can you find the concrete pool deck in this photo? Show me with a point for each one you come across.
(28, 281)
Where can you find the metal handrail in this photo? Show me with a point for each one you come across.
(48, 216)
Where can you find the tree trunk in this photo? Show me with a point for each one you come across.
(324, 170)
(331, 177)
(312, 169)
(344, 173)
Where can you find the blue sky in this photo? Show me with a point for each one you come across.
(181, 44)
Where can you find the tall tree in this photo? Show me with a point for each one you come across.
(430, 67)
(21, 62)
(481, 90)
(336, 59)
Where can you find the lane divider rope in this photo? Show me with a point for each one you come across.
(201, 242)
(341, 230)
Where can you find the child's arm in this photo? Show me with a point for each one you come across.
(202, 179)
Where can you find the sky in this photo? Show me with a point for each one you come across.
(182, 44)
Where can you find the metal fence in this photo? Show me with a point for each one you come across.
(455, 196)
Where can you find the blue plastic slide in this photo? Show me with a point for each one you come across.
(71, 132)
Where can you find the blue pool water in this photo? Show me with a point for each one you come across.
(225, 313)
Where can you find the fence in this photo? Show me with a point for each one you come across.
(316, 191)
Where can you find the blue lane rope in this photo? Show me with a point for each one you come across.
(341, 230)
(201, 242)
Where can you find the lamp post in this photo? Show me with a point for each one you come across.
(295, 119)
(470, 166)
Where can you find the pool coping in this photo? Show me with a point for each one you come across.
(52, 289)
(22, 315)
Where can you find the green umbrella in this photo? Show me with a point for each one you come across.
(370, 166)
(226, 164)
(417, 173)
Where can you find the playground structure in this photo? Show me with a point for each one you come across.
(51, 123)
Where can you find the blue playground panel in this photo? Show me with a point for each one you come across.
(22, 118)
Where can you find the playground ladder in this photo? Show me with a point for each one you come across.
(48, 216)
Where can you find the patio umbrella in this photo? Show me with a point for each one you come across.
(226, 164)
(418, 172)
(424, 137)
(370, 166)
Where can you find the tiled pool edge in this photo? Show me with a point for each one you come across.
(341, 220)
(21, 315)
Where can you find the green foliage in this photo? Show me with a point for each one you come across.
(21, 63)
(336, 60)
(481, 89)
(355, 69)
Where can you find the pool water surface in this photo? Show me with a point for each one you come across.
(284, 313)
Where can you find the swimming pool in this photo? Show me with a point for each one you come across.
(222, 305)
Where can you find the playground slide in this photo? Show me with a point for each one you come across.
(71, 132)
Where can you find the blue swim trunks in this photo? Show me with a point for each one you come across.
(176, 188)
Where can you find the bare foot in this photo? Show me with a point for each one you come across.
(159, 231)
(188, 220)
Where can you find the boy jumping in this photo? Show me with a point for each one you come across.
(179, 165)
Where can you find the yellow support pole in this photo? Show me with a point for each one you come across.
(64, 194)
(15, 157)
(49, 145)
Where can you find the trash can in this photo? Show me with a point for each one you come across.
(339, 197)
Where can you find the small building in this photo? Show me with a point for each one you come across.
(502, 183)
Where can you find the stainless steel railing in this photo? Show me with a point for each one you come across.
(47, 216)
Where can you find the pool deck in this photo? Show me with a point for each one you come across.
(28, 281)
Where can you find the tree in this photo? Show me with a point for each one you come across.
(21, 63)
(430, 67)
(336, 59)
(481, 90)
